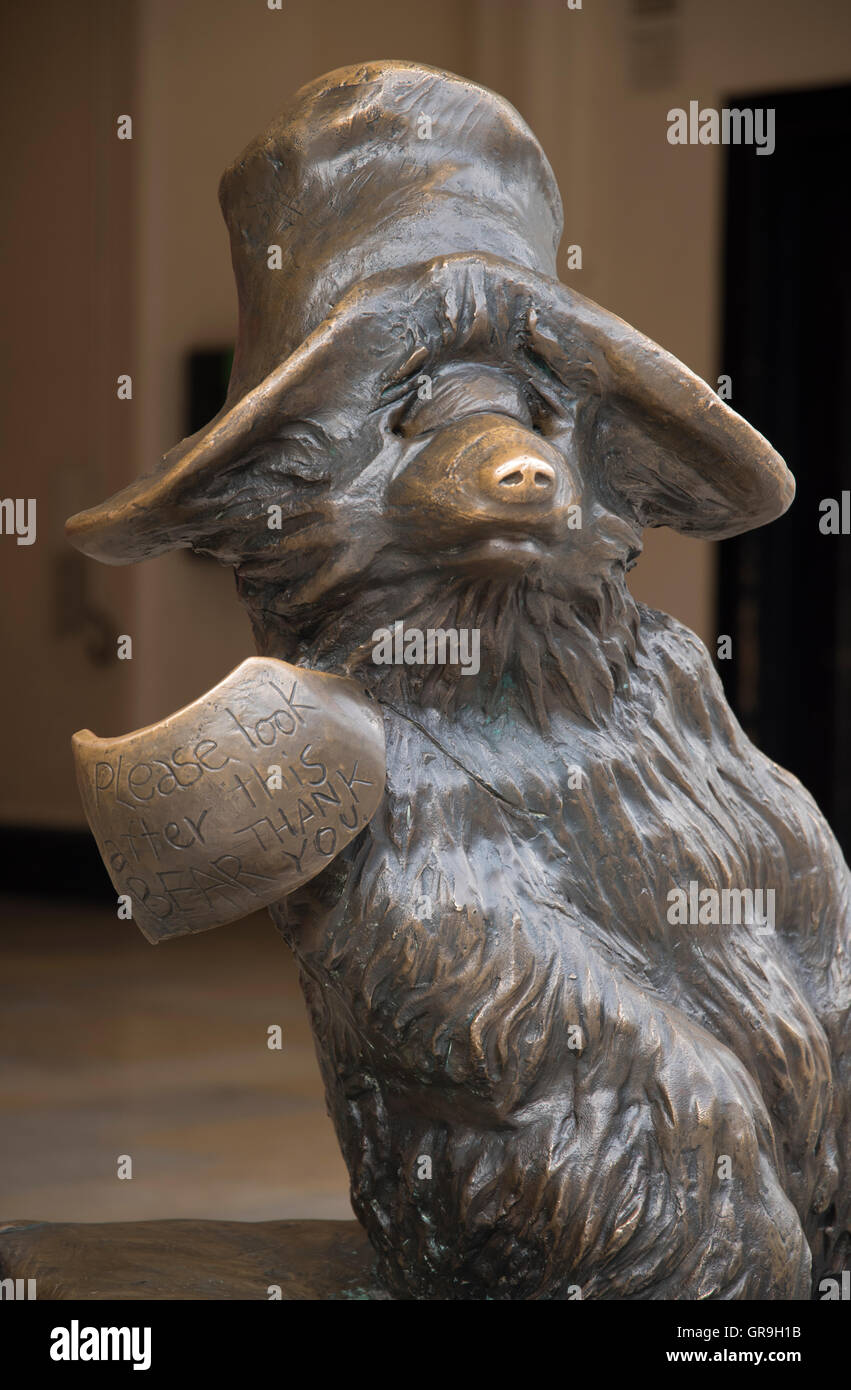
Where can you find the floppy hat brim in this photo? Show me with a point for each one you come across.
(663, 438)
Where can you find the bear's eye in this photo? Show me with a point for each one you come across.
(458, 391)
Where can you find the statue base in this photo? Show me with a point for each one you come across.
(167, 1260)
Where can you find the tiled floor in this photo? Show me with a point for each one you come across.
(110, 1046)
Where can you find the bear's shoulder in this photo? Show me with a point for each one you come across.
(674, 643)
(676, 671)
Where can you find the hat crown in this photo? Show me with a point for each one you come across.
(371, 168)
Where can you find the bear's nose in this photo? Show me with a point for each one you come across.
(489, 470)
(522, 479)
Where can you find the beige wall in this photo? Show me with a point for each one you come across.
(67, 257)
(206, 76)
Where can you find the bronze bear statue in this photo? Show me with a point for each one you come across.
(546, 1080)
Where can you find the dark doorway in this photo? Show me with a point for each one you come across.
(785, 591)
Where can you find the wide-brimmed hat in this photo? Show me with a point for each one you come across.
(392, 218)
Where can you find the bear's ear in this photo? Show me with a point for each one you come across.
(663, 442)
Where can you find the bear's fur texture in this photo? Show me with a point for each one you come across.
(488, 908)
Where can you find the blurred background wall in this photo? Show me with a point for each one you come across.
(117, 262)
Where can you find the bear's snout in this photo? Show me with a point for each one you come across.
(486, 477)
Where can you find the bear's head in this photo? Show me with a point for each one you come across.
(423, 425)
